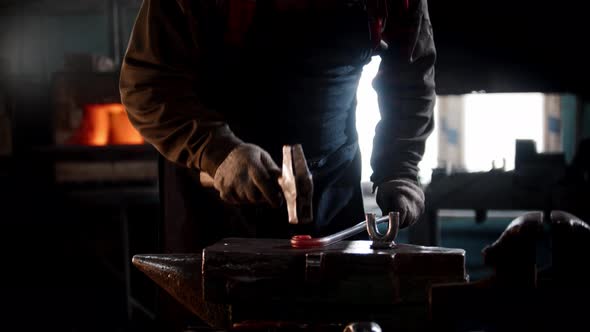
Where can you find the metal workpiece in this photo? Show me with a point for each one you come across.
(383, 240)
(308, 242)
(370, 224)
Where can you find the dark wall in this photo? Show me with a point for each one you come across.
(508, 46)
(33, 41)
(496, 46)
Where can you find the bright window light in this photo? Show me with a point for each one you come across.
(367, 116)
(430, 158)
(494, 121)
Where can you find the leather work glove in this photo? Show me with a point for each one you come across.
(248, 175)
(403, 196)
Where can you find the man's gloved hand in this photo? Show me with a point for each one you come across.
(403, 196)
(248, 175)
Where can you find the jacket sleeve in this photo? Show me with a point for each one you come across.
(160, 84)
(406, 92)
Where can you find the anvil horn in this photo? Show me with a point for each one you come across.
(180, 276)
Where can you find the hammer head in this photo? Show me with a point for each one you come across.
(296, 182)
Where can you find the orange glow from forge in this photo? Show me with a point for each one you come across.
(105, 124)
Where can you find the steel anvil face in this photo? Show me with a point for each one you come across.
(241, 279)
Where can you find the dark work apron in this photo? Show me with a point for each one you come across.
(293, 81)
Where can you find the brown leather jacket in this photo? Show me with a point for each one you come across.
(163, 90)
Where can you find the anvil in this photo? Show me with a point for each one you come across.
(241, 280)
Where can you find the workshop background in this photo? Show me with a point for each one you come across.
(79, 189)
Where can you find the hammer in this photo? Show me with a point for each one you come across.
(295, 181)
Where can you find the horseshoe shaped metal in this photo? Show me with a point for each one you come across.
(386, 240)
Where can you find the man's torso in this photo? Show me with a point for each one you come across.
(288, 73)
